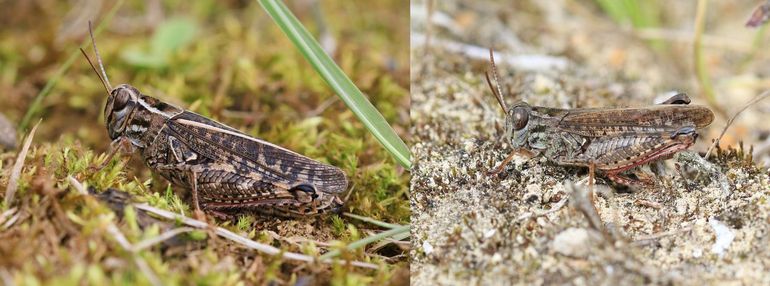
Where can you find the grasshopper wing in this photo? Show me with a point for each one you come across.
(273, 163)
(596, 122)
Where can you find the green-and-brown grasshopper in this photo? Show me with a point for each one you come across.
(226, 171)
(610, 140)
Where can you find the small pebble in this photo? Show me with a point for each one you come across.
(724, 237)
(490, 233)
(7, 133)
(427, 248)
(534, 194)
(496, 258)
(574, 242)
(469, 146)
(697, 253)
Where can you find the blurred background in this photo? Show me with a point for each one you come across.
(637, 53)
(226, 60)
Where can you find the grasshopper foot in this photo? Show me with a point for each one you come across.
(508, 159)
(646, 177)
(643, 181)
(120, 146)
(502, 165)
(199, 215)
(220, 215)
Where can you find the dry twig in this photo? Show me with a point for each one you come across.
(537, 214)
(267, 249)
(13, 180)
(646, 239)
(730, 122)
(122, 240)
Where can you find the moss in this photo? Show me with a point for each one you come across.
(238, 69)
(472, 228)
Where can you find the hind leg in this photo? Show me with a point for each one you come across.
(265, 198)
(198, 213)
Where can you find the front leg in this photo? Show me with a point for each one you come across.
(522, 151)
(119, 145)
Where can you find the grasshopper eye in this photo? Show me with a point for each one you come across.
(121, 99)
(520, 118)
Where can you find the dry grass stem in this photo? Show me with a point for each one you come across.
(730, 122)
(119, 237)
(13, 180)
(267, 249)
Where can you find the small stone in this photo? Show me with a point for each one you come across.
(724, 237)
(490, 233)
(534, 194)
(609, 269)
(7, 134)
(681, 207)
(427, 248)
(469, 146)
(697, 253)
(496, 258)
(574, 242)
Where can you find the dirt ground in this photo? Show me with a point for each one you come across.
(705, 221)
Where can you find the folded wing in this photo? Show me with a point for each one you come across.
(658, 119)
(273, 163)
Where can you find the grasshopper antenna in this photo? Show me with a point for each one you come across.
(498, 92)
(97, 72)
(105, 79)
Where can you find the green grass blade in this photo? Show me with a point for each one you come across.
(396, 232)
(640, 14)
(372, 221)
(701, 68)
(338, 81)
(35, 107)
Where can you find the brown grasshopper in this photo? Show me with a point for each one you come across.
(226, 171)
(611, 140)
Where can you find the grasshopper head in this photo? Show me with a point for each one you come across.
(516, 118)
(122, 100)
(121, 103)
(516, 123)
